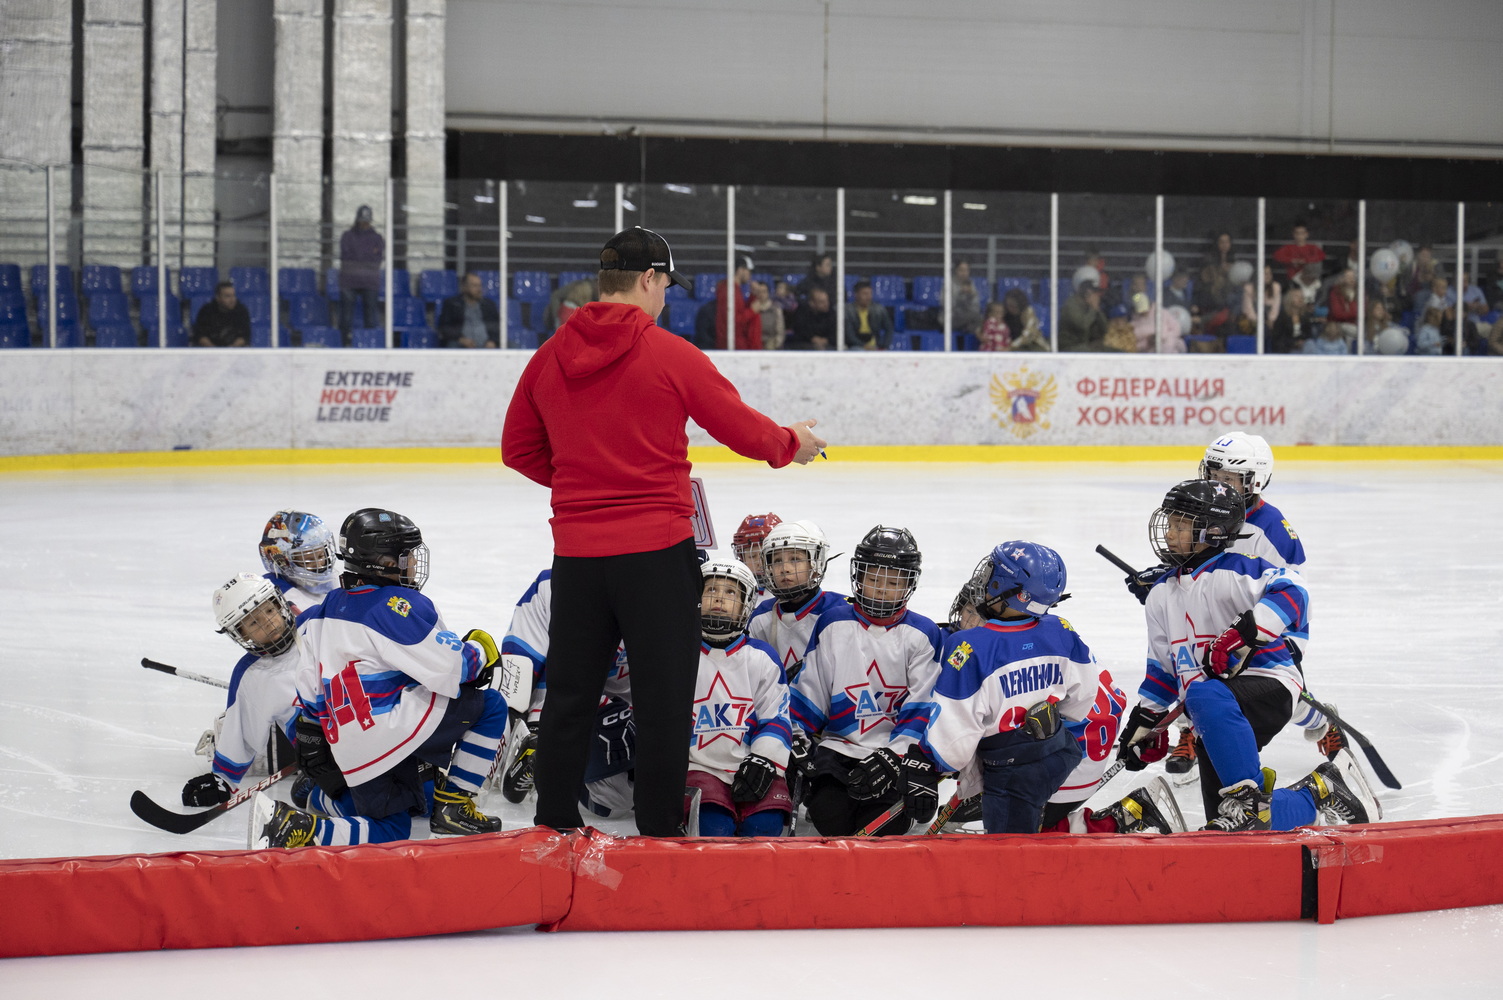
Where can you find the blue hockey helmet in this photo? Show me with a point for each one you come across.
(1027, 577)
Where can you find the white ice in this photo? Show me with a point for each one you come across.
(1406, 580)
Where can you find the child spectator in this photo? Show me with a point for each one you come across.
(995, 336)
(1145, 328)
(1427, 336)
(1342, 305)
(774, 327)
(1330, 341)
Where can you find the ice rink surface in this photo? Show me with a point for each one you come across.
(1406, 583)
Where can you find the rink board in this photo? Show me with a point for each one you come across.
(596, 882)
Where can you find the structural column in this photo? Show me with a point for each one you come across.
(362, 71)
(114, 94)
(36, 108)
(423, 199)
(200, 129)
(298, 130)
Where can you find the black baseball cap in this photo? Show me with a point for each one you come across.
(638, 249)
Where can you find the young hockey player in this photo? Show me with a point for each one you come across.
(262, 689)
(387, 694)
(1221, 631)
(864, 695)
(794, 553)
(746, 544)
(739, 749)
(608, 788)
(297, 550)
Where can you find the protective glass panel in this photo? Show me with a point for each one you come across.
(1211, 277)
(898, 235)
(1104, 244)
(1004, 238)
(784, 230)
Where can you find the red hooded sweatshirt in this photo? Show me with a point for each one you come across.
(600, 417)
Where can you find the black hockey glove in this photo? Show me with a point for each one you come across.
(1139, 584)
(616, 730)
(206, 790)
(753, 778)
(921, 788)
(316, 759)
(878, 775)
(491, 656)
(1141, 743)
(517, 781)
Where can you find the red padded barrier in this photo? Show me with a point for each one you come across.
(226, 898)
(643, 884)
(1419, 865)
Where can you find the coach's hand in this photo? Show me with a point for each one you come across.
(809, 444)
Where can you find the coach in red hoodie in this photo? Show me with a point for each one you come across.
(599, 417)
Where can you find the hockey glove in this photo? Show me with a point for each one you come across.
(316, 759)
(616, 729)
(1229, 652)
(921, 788)
(206, 790)
(876, 776)
(753, 778)
(1142, 743)
(518, 780)
(1139, 584)
(489, 656)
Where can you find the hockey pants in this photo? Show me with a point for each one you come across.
(1019, 773)
(1234, 720)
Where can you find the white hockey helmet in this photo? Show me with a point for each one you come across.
(251, 610)
(721, 625)
(1240, 452)
(799, 536)
(298, 546)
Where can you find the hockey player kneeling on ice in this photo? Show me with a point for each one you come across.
(261, 706)
(864, 695)
(1222, 629)
(380, 673)
(297, 549)
(794, 553)
(738, 752)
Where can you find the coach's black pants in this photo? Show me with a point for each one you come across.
(649, 601)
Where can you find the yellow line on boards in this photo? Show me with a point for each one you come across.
(839, 453)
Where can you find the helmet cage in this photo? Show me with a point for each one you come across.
(795, 536)
(299, 547)
(245, 596)
(719, 627)
(1214, 510)
(905, 577)
(746, 543)
(1246, 455)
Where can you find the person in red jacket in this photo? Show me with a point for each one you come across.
(599, 417)
(748, 320)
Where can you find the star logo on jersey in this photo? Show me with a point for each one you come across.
(399, 605)
(1189, 650)
(722, 717)
(1021, 400)
(875, 701)
(960, 655)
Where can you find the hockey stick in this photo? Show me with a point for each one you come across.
(1116, 769)
(871, 828)
(190, 675)
(1111, 557)
(176, 822)
(949, 809)
(1380, 768)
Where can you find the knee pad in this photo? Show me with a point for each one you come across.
(767, 823)
(715, 821)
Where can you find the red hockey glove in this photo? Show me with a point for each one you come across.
(1229, 652)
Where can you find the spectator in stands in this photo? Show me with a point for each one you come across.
(704, 325)
(1330, 341)
(1145, 328)
(1177, 292)
(1110, 295)
(813, 324)
(774, 328)
(1023, 327)
(783, 295)
(1416, 281)
(1308, 281)
(867, 324)
(994, 335)
(469, 319)
(821, 275)
(1475, 308)
(1428, 338)
(223, 321)
(1214, 302)
(1441, 297)
(361, 249)
(1082, 324)
(748, 320)
(1273, 297)
(1493, 289)
(1290, 330)
(562, 303)
(1341, 306)
(1378, 320)
(1220, 253)
(965, 301)
(1295, 255)
(1335, 266)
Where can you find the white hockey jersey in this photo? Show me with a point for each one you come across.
(866, 686)
(788, 632)
(990, 676)
(1187, 610)
(377, 670)
(526, 647)
(263, 693)
(298, 599)
(740, 707)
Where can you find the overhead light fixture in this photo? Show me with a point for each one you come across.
(797, 237)
(857, 213)
(678, 188)
(974, 206)
(627, 206)
(536, 218)
(485, 199)
(920, 199)
(586, 203)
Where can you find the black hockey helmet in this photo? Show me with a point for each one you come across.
(383, 546)
(894, 553)
(1216, 512)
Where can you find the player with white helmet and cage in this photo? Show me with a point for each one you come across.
(746, 544)
(297, 549)
(1221, 627)
(794, 554)
(863, 695)
(252, 612)
(738, 753)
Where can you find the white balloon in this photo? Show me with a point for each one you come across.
(1239, 273)
(1404, 251)
(1084, 274)
(1393, 340)
(1164, 259)
(1385, 265)
(1182, 314)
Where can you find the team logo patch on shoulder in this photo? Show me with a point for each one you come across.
(1066, 624)
(399, 605)
(960, 655)
(1285, 523)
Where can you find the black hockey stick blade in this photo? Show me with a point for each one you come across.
(188, 674)
(1115, 560)
(176, 822)
(1379, 766)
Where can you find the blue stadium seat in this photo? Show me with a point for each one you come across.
(569, 277)
(965, 341)
(39, 280)
(531, 286)
(1066, 289)
(490, 284)
(258, 304)
(250, 279)
(1005, 285)
(69, 333)
(10, 278)
(369, 338)
(435, 286)
(793, 280)
(331, 284)
(681, 318)
(14, 335)
(850, 283)
(12, 308)
(900, 342)
(928, 290)
(983, 290)
(195, 282)
(408, 312)
(1239, 343)
(67, 308)
(143, 281)
(401, 284)
(1042, 312)
(115, 335)
(675, 292)
(149, 309)
(106, 308)
(307, 309)
(520, 337)
(324, 336)
(261, 335)
(767, 279)
(177, 334)
(514, 314)
(927, 340)
(100, 278)
(704, 284)
(296, 281)
(418, 337)
(889, 289)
